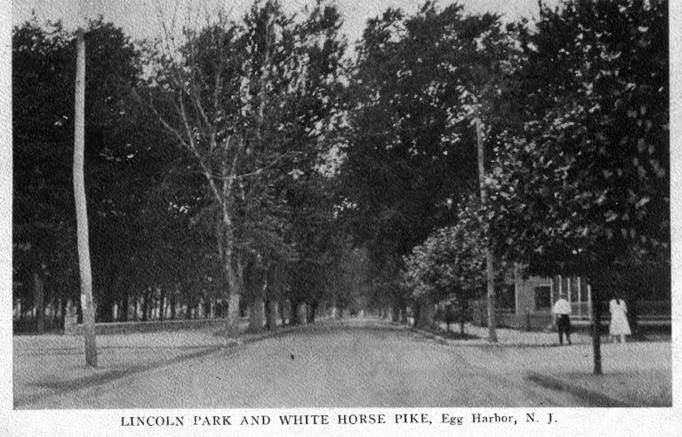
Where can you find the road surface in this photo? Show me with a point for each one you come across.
(327, 365)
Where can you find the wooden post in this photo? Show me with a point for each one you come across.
(81, 205)
(490, 273)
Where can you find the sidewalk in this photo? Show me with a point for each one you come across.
(513, 337)
(634, 374)
(53, 364)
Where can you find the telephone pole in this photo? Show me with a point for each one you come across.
(87, 306)
(490, 273)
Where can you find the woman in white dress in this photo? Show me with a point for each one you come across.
(619, 326)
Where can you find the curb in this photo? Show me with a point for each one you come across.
(442, 340)
(482, 341)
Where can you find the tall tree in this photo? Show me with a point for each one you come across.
(411, 153)
(582, 187)
(229, 95)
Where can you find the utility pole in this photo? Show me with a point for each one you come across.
(490, 273)
(81, 206)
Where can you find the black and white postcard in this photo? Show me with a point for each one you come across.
(334, 217)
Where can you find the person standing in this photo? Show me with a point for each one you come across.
(562, 313)
(619, 326)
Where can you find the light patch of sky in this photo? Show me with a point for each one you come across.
(141, 18)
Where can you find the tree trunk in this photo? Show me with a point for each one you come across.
(462, 316)
(145, 305)
(416, 314)
(283, 311)
(293, 312)
(39, 302)
(256, 314)
(53, 311)
(64, 303)
(188, 312)
(311, 311)
(125, 303)
(633, 318)
(268, 315)
(426, 314)
(302, 313)
(81, 205)
(395, 314)
(271, 315)
(104, 311)
(162, 304)
(172, 304)
(231, 265)
(596, 333)
(135, 308)
(235, 286)
(233, 314)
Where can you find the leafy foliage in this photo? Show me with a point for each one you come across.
(584, 182)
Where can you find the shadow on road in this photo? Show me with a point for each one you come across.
(592, 398)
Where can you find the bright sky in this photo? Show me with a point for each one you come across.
(139, 18)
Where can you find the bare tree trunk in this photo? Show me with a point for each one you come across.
(271, 314)
(145, 305)
(81, 206)
(293, 312)
(311, 311)
(162, 303)
(135, 308)
(283, 311)
(256, 314)
(596, 331)
(64, 303)
(172, 305)
(188, 313)
(233, 269)
(39, 302)
(123, 313)
(233, 314)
